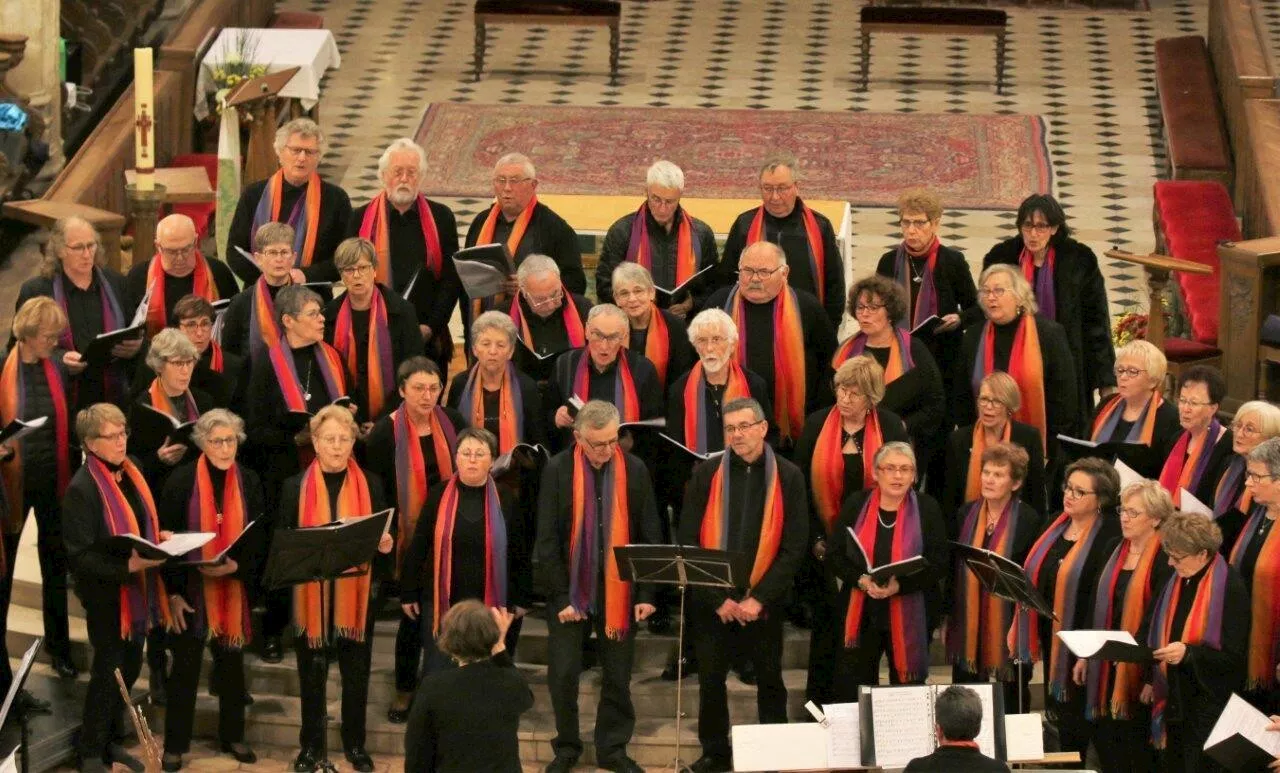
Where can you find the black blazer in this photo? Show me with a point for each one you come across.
(223, 280)
(534, 429)
(680, 353)
(1147, 461)
(335, 211)
(953, 759)
(917, 397)
(663, 246)
(156, 471)
(406, 342)
(1082, 311)
(1062, 409)
(465, 720)
(959, 446)
(97, 573)
(551, 560)
(548, 234)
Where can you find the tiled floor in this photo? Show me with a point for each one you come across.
(1089, 72)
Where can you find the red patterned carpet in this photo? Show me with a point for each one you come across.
(973, 161)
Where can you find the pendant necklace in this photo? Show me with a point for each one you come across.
(306, 389)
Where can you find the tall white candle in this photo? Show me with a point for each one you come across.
(144, 119)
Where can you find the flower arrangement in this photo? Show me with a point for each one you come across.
(238, 66)
(1132, 325)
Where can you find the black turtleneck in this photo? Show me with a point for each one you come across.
(1004, 343)
(40, 448)
(335, 212)
(467, 577)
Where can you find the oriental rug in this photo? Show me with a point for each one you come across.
(972, 161)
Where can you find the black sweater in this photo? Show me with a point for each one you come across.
(662, 248)
(534, 430)
(406, 342)
(959, 447)
(335, 211)
(547, 234)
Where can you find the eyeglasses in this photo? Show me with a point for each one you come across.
(311, 314)
(758, 273)
(735, 429)
(1038, 228)
(990, 402)
(115, 436)
(848, 393)
(537, 303)
(1176, 559)
(196, 324)
(181, 363)
(502, 182)
(335, 440)
(1076, 493)
(358, 269)
(404, 172)
(605, 338)
(1184, 402)
(1244, 429)
(276, 254)
(222, 442)
(1128, 513)
(1121, 371)
(178, 252)
(431, 389)
(52, 338)
(993, 292)
(913, 225)
(1257, 476)
(600, 445)
(302, 152)
(710, 341)
(658, 201)
(897, 469)
(864, 308)
(626, 295)
(776, 190)
(82, 247)
(474, 456)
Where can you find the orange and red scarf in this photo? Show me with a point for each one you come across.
(695, 403)
(286, 371)
(13, 398)
(657, 345)
(487, 230)
(349, 596)
(202, 284)
(827, 464)
(510, 406)
(264, 326)
(688, 249)
(568, 312)
(926, 304)
(374, 228)
(223, 608)
(1186, 464)
(144, 603)
(115, 381)
(1026, 366)
(1112, 411)
(215, 357)
(161, 402)
(1042, 284)
(380, 373)
(1119, 699)
(714, 532)
(625, 396)
(978, 445)
(411, 468)
(900, 359)
(584, 553)
(813, 235)
(907, 625)
(788, 357)
(979, 619)
(304, 219)
(1231, 493)
(495, 550)
(1264, 598)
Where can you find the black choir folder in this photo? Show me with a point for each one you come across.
(98, 352)
(1240, 740)
(152, 427)
(522, 456)
(1115, 646)
(897, 723)
(18, 429)
(1004, 578)
(236, 551)
(881, 574)
(339, 549)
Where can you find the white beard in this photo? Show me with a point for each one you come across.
(402, 196)
(712, 364)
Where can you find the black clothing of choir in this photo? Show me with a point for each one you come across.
(1147, 461)
(547, 234)
(534, 430)
(959, 448)
(601, 386)
(236, 332)
(177, 287)
(680, 353)
(951, 759)
(380, 454)
(225, 389)
(664, 255)
(406, 342)
(335, 211)
(917, 397)
(145, 446)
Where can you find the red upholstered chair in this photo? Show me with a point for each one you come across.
(200, 214)
(296, 20)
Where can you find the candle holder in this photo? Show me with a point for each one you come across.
(144, 208)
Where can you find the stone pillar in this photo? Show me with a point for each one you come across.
(36, 77)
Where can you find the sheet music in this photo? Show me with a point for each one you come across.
(180, 543)
(1189, 504)
(1084, 643)
(903, 724)
(844, 736)
(799, 746)
(1127, 474)
(987, 735)
(140, 315)
(1241, 718)
(1023, 737)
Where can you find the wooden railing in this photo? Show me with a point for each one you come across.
(1244, 71)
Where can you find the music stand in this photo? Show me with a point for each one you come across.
(259, 96)
(321, 554)
(682, 566)
(20, 679)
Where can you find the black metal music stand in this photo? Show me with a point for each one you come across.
(322, 554)
(682, 566)
(20, 679)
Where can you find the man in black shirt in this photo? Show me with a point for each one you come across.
(181, 271)
(750, 501)
(958, 718)
(549, 318)
(295, 194)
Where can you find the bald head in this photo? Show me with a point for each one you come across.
(176, 243)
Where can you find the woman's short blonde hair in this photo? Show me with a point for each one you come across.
(1155, 501)
(864, 374)
(350, 251)
(1152, 359)
(337, 413)
(1268, 416)
(1022, 291)
(38, 312)
(1004, 388)
(1187, 534)
(920, 200)
(91, 420)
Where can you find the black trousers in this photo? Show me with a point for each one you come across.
(184, 680)
(313, 677)
(824, 646)
(409, 646)
(714, 643)
(104, 720)
(1008, 687)
(1184, 750)
(53, 568)
(860, 666)
(1124, 745)
(1067, 715)
(6, 594)
(615, 715)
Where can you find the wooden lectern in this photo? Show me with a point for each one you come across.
(1250, 276)
(259, 97)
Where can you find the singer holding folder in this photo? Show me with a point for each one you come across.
(1137, 420)
(894, 619)
(214, 493)
(330, 489)
(123, 594)
(1256, 556)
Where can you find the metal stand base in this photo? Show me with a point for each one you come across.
(678, 764)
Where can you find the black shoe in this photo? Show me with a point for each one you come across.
(272, 650)
(660, 625)
(561, 764)
(620, 764)
(398, 714)
(359, 759)
(306, 761)
(171, 762)
(709, 764)
(64, 668)
(690, 669)
(116, 755)
(746, 671)
(240, 751)
(26, 703)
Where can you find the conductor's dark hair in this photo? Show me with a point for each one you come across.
(468, 631)
(958, 713)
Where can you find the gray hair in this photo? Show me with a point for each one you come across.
(1267, 413)
(665, 174)
(596, 414)
(608, 310)
(303, 127)
(1018, 285)
(51, 264)
(517, 158)
(273, 233)
(958, 713)
(1268, 452)
(1155, 501)
(292, 299)
(213, 419)
(781, 158)
(494, 320)
(744, 404)
(632, 273)
(91, 420)
(534, 265)
(400, 145)
(1152, 359)
(170, 344)
(713, 318)
(768, 247)
(895, 447)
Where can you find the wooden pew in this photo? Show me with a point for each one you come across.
(1239, 52)
(1258, 185)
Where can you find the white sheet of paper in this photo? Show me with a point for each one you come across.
(1241, 717)
(1084, 643)
(1079, 441)
(182, 542)
(844, 736)
(1189, 504)
(799, 746)
(902, 726)
(10, 763)
(1023, 737)
(1127, 474)
(140, 314)
(987, 734)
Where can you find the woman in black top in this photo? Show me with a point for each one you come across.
(167, 399)
(466, 517)
(1255, 422)
(656, 333)
(466, 719)
(214, 493)
(1137, 420)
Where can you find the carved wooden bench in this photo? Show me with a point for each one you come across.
(575, 13)
(951, 22)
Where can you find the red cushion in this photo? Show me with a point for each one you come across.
(1185, 350)
(1194, 217)
(297, 20)
(200, 214)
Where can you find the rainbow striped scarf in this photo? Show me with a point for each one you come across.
(695, 403)
(1026, 366)
(979, 620)
(380, 373)
(973, 474)
(304, 219)
(349, 596)
(1231, 492)
(1111, 412)
(714, 533)
(900, 360)
(585, 554)
(373, 226)
(13, 398)
(1185, 466)
(688, 249)
(813, 237)
(1264, 634)
(1044, 289)
(657, 346)
(788, 357)
(827, 464)
(114, 382)
(411, 468)
(926, 304)
(223, 608)
(495, 550)
(202, 284)
(291, 387)
(510, 406)
(1102, 697)
(264, 327)
(568, 312)
(625, 396)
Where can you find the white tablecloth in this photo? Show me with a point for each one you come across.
(314, 51)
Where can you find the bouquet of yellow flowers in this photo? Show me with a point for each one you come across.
(238, 67)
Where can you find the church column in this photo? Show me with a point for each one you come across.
(36, 77)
